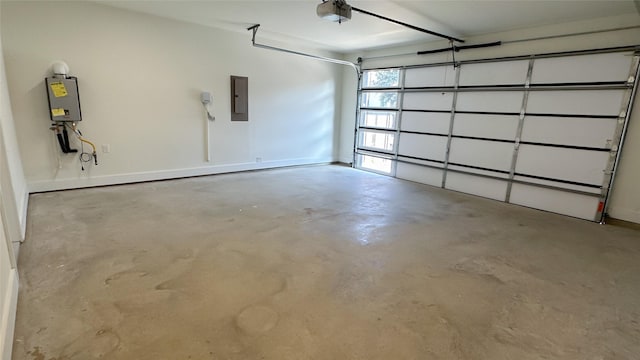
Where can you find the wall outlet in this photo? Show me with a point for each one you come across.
(106, 148)
(258, 159)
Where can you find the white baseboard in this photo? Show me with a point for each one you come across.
(75, 183)
(346, 159)
(625, 214)
(8, 319)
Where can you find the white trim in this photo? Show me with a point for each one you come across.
(625, 214)
(22, 212)
(8, 320)
(347, 159)
(75, 183)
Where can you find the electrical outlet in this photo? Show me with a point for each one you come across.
(258, 159)
(106, 148)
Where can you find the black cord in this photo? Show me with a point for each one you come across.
(80, 156)
(85, 157)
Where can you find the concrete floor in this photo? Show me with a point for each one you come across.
(319, 262)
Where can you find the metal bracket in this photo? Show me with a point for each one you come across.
(254, 28)
(453, 54)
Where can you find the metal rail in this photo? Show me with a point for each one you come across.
(627, 116)
(254, 29)
(497, 43)
(452, 118)
(586, 116)
(450, 38)
(517, 57)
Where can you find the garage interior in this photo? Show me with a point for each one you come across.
(319, 180)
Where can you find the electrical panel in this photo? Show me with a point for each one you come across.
(64, 100)
(239, 98)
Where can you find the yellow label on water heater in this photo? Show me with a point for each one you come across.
(57, 112)
(58, 89)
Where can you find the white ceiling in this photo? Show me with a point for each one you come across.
(296, 20)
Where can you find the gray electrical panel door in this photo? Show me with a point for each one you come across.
(239, 98)
(64, 100)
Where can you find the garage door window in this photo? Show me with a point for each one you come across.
(378, 119)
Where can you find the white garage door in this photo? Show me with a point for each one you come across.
(541, 131)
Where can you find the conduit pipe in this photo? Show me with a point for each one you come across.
(254, 28)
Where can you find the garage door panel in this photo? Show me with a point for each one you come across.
(562, 202)
(588, 132)
(420, 174)
(437, 123)
(582, 166)
(477, 185)
(494, 73)
(486, 126)
(428, 101)
(490, 101)
(571, 119)
(485, 154)
(434, 76)
(423, 146)
(576, 102)
(575, 69)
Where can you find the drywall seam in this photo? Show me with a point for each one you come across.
(9, 316)
(63, 184)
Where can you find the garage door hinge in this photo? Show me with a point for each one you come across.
(631, 80)
(623, 115)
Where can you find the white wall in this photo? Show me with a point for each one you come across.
(12, 181)
(140, 77)
(12, 187)
(348, 115)
(8, 295)
(625, 199)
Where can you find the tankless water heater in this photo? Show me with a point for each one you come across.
(64, 100)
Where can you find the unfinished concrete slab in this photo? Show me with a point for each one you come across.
(320, 262)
